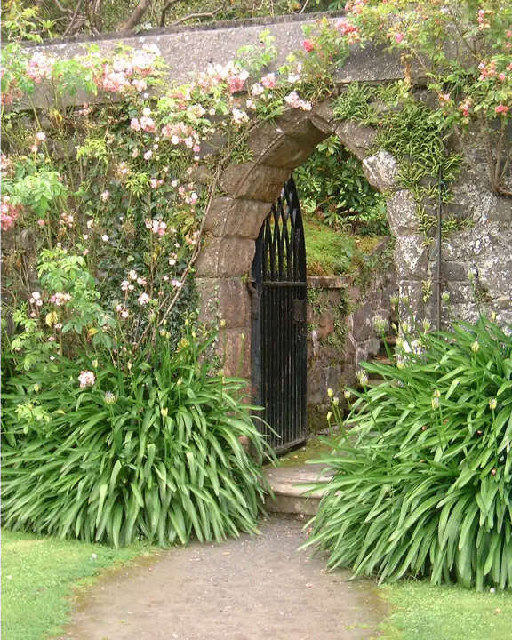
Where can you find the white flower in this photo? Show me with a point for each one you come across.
(36, 295)
(240, 116)
(90, 223)
(257, 89)
(86, 379)
(146, 112)
(41, 136)
(104, 196)
(143, 299)
(362, 378)
(104, 238)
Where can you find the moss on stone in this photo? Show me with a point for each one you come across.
(333, 253)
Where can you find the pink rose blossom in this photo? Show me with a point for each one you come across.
(269, 81)
(147, 124)
(135, 124)
(308, 46)
(501, 109)
(293, 100)
(399, 37)
(235, 84)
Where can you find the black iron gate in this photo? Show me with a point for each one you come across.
(279, 340)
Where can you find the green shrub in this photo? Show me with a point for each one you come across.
(425, 489)
(149, 451)
(333, 188)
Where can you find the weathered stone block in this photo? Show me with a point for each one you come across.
(251, 181)
(455, 271)
(356, 138)
(235, 256)
(207, 264)
(236, 349)
(235, 303)
(411, 256)
(216, 215)
(245, 218)
(381, 171)
(297, 124)
(325, 282)
(273, 148)
(323, 110)
(402, 214)
(208, 299)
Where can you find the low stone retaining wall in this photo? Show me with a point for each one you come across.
(341, 332)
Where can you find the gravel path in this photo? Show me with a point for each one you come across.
(253, 588)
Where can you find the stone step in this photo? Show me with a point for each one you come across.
(290, 486)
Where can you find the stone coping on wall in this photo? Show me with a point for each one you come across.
(187, 51)
(326, 282)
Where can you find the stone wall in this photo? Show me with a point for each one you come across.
(234, 217)
(341, 331)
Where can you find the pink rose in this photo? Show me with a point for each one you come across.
(235, 84)
(269, 81)
(308, 46)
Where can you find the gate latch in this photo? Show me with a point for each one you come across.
(299, 310)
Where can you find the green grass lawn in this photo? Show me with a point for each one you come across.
(421, 611)
(38, 574)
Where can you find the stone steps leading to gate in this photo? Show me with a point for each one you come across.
(290, 486)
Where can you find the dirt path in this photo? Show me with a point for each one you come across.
(253, 588)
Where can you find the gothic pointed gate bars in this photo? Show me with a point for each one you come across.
(279, 341)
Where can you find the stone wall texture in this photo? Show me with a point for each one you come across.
(342, 334)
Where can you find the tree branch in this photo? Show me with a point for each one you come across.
(192, 16)
(136, 16)
(72, 21)
(166, 8)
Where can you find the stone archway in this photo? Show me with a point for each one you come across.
(233, 221)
